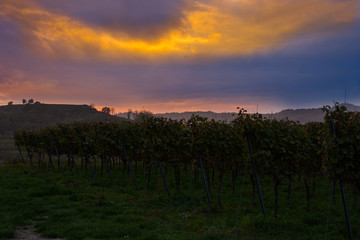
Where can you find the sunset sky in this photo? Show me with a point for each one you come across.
(181, 55)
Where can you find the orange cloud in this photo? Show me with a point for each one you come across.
(207, 29)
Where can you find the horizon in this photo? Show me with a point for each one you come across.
(99, 108)
(181, 55)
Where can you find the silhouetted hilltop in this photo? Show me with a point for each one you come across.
(210, 115)
(35, 116)
(186, 115)
(308, 115)
(301, 115)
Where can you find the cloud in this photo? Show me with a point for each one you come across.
(202, 29)
(14, 85)
(138, 18)
(308, 53)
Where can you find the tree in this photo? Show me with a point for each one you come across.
(10, 103)
(24, 101)
(129, 113)
(106, 110)
(139, 115)
(31, 101)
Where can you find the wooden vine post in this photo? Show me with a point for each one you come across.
(104, 157)
(204, 178)
(57, 154)
(256, 175)
(342, 189)
(22, 157)
(130, 167)
(164, 177)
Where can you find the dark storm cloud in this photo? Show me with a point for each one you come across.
(170, 30)
(139, 18)
(316, 73)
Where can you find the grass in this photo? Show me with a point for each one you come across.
(74, 206)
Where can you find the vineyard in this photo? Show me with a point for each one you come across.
(206, 151)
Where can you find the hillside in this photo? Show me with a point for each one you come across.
(35, 116)
(308, 115)
(301, 115)
(210, 115)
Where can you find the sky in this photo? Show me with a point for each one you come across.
(181, 55)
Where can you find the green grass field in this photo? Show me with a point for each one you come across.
(74, 206)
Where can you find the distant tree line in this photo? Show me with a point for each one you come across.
(108, 110)
(24, 101)
(137, 115)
